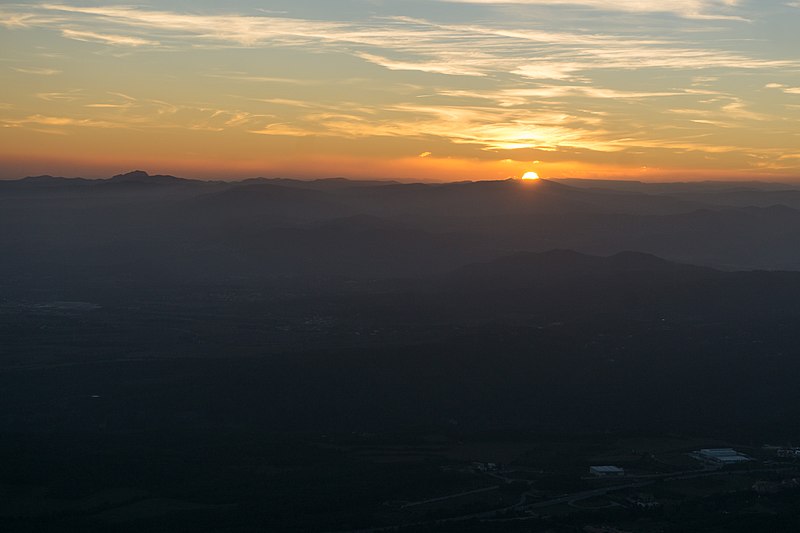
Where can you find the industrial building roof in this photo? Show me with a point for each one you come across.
(724, 455)
(608, 469)
(719, 452)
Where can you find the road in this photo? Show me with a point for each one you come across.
(568, 498)
(584, 495)
(450, 496)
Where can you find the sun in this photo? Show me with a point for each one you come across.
(530, 176)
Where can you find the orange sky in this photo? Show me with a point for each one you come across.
(436, 90)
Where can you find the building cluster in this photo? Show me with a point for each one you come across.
(788, 453)
(602, 529)
(607, 471)
(770, 487)
(722, 456)
(643, 501)
(485, 467)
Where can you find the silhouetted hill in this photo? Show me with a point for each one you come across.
(52, 180)
(748, 198)
(266, 200)
(266, 228)
(684, 187)
(723, 237)
(44, 185)
(546, 267)
(140, 177)
(360, 223)
(482, 198)
(320, 184)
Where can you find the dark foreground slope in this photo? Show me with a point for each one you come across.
(281, 356)
(313, 406)
(559, 340)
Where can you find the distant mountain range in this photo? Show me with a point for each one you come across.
(143, 225)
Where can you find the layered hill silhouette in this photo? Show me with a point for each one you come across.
(351, 307)
(554, 341)
(138, 312)
(260, 228)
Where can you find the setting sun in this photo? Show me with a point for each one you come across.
(530, 176)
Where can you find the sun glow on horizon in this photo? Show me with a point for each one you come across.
(532, 176)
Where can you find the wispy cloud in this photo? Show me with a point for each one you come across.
(696, 9)
(283, 129)
(10, 19)
(117, 40)
(440, 65)
(45, 120)
(495, 85)
(37, 71)
(401, 43)
(483, 127)
(518, 97)
(243, 76)
(78, 109)
(784, 88)
(69, 96)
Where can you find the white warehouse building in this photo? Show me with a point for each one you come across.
(723, 456)
(606, 471)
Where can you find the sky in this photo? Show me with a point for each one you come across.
(402, 89)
